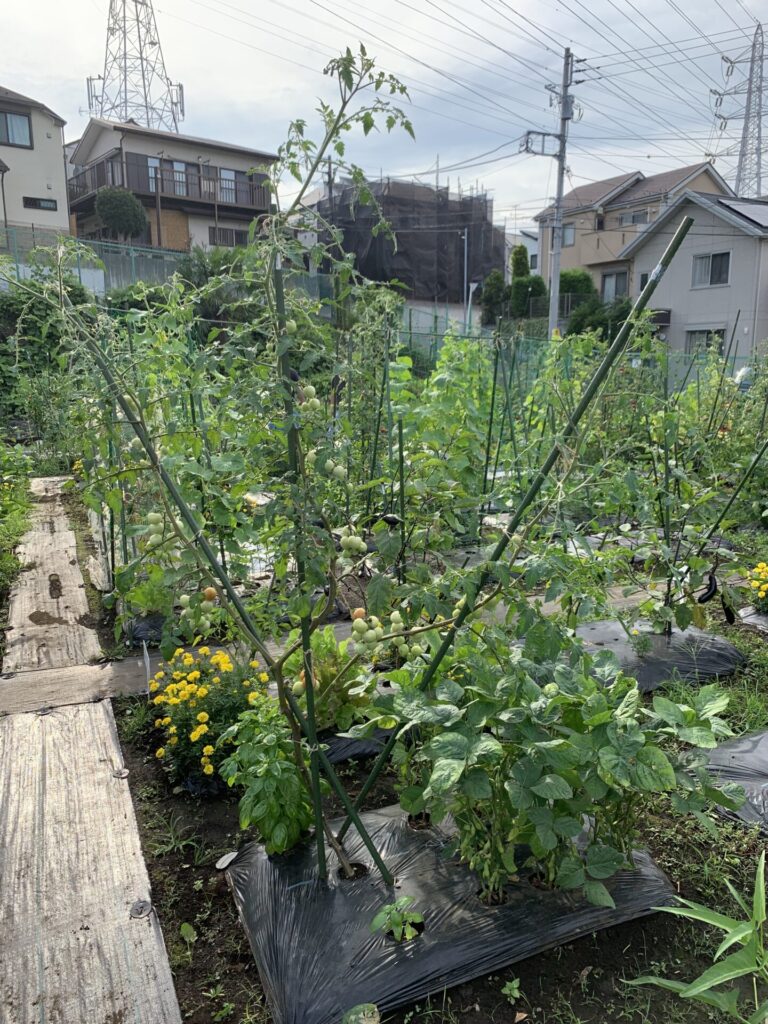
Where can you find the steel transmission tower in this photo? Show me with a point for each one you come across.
(134, 85)
(750, 150)
(748, 173)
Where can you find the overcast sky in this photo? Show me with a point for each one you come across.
(476, 72)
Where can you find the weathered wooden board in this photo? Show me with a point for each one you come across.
(48, 614)
(70, 872)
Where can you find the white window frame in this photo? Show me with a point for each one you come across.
(627, 220)
(692, 348)
(708, 256)
(613, 274)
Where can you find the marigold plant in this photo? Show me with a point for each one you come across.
(758, 585)
(197, 697)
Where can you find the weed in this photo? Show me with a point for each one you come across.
(174, 837)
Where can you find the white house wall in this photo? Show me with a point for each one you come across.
(198, 228)
(713, 307)
(38, 172)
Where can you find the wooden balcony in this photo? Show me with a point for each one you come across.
(177, 186)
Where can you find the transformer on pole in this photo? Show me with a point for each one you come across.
(134, 85)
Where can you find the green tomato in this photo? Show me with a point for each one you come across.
(330, 465)
(551, 690)
(298, 688)
(339, 472)
(314, 405)
(184, 600)
(290, 327)
(204, 625)
(155, 517)
(156, 529)
(360, 626)
(310, 393)
(207, 606)
(153, 540)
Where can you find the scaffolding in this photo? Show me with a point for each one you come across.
(427, 254)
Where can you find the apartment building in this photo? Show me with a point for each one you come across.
(195, 191)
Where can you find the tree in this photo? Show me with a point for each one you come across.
(494, 298)
(577, 282)
(594, 315)
(120, 211)
(522, 290)
(519, 262)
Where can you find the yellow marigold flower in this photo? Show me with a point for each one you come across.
(187, 660)
(193, 703)
(159, 675)
(193, 676)
(202, 692)
(159, 699)
(172, 730)
(205, 651)
(174, 700)
(166, 720)
(178, 652)
(253, 696)
(247, 682)
(216, 679)
(171, 687)
(208, 769)
(160, 752)
(203, 716)
(177, 675)
(755, 585)
(173, 740)
(158, 722)
(263, 677)
(208, 750)
(194, 736)
(153, 686)
(205, 760)
(253, 664)
(202, 729)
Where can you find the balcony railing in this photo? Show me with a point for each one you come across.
(170, 182)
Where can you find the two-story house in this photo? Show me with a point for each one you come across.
(601, 218)
(715, 291)
(33, 181)
(195, 191)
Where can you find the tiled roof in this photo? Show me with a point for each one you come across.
(659, 184)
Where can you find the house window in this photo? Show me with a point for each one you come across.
(633, 217)
(569, 234)
(227, 192)
(614, 285)
(15, 129)
(179, 178)
(599, 222)
(31, 203)
(712, 269)
(533, 261)
(227, 236)
(701, 341)
(153, 166)
(643, 279)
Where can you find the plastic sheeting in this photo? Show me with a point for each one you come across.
(690, 655)
(344, 748)
(744, 760)
(750, 616)
(318, 958)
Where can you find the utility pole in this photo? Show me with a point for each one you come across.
(466, 296)
(566, 113)
(565, 101)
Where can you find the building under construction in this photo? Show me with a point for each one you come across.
(442, 239)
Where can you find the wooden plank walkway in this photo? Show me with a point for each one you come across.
(48, 609)
(80, 943)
